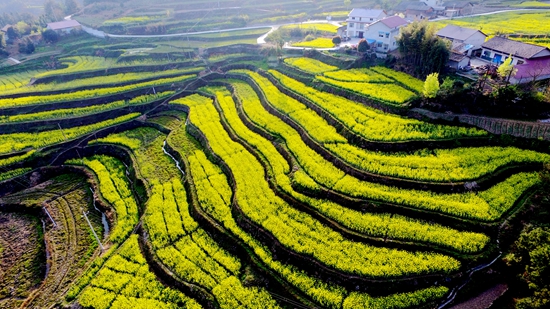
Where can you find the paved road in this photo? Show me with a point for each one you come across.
(261, 39)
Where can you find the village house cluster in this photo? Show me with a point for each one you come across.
(381, 29)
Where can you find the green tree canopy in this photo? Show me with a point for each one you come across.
(71, 7)
(363, 46)
(422, 49)
(532, 254)
(431, 86)
(506, 69)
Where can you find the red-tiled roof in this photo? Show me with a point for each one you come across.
(63, 24)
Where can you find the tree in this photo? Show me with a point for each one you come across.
(336, 40)
(23, 28)
(431, 86)
(50, 36)
(363, 46)
(422, 51)
(12, 34)
(53, 10)
(506, 70)
(531, 256)
(347, 3)
(71, 7)
(26, 47)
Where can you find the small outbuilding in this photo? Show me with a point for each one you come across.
(64, 27)
(470, 38)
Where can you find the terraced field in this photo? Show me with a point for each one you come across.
(237, 187)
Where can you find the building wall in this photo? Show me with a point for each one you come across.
(476, 40)
(358, 24)
(459, 65)
(385, 37)
(494, 56)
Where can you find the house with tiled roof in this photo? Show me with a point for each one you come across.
(384, 32)
(65, 26)
(414, 10)
(4, 31)
(531, 61)
(464, 38)
(359, 19)
(458, 8)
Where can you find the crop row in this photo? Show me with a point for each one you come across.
(81, 111)
(325, 173)
(84, 94)
(103, 80)
(316, 43)
(373, 124)
(358, 76)
(89, 63)
(13, 173)
(13, 81)
(378, 225)
(310, 65)
(468, 204)
(299, 231)
(214, 194)
(389, 93)
(178, 240)
(431, 165)
(19, 141)
(114, 187)
(403, 79)
(460, 164)
(125, 281)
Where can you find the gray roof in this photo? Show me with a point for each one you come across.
(411, 5)
(457, 57)
(457, 33)
(510, 47)
(457, 4)
(366, 13)
(418, 6)
(64, 24)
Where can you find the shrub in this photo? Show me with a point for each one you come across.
(337, 40)
(309, 38)
(363, 46)
(431, 86)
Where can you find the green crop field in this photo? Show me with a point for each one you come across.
(157, 177)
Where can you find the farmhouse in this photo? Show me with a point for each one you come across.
(359, 19)
(414, 10)
(384, 32)
(531, 61)
(65, 26)
(4, 30)
(463, 38)
(458, 8)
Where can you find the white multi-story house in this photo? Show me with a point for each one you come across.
(384, 32)
(359, 19)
